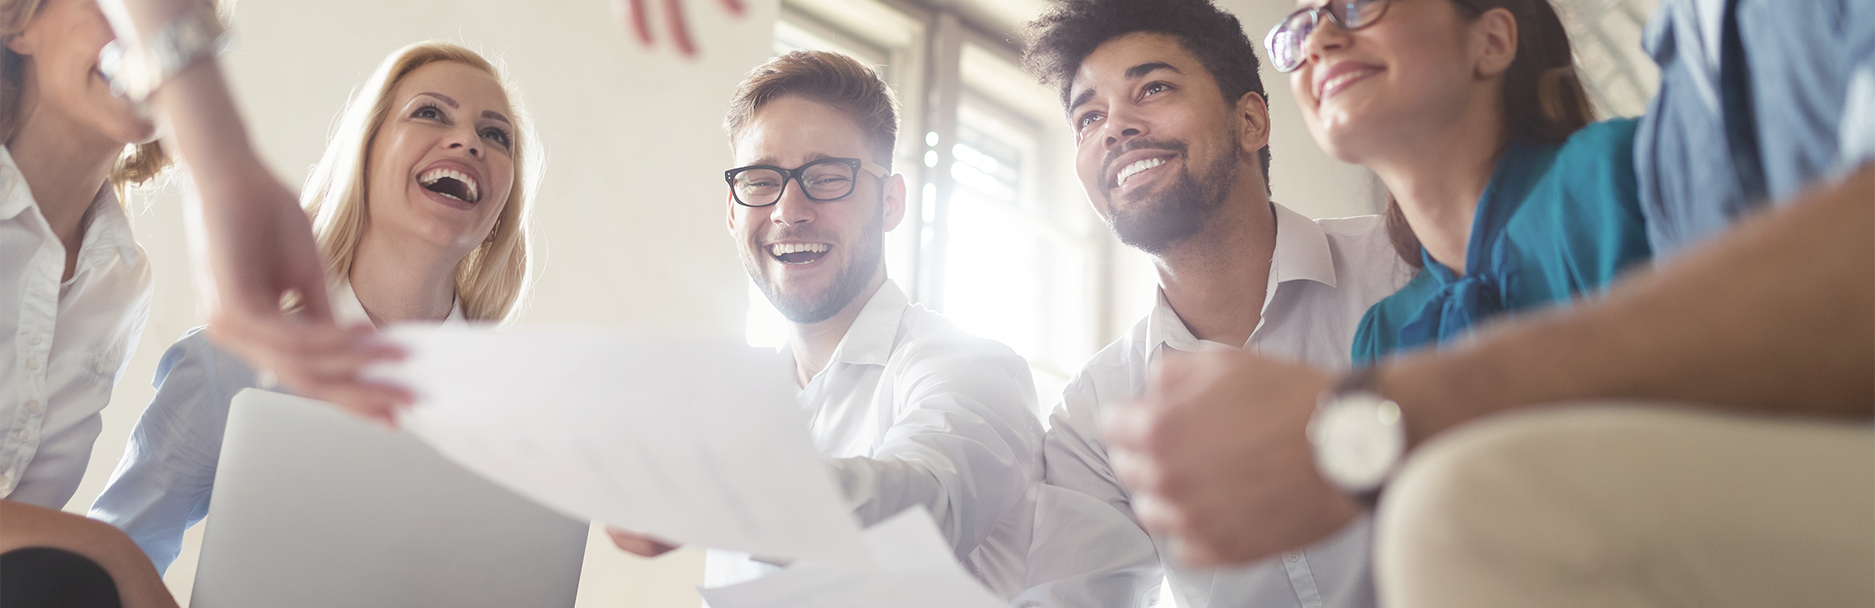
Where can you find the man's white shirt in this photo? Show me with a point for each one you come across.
(912, 410)
(63, 344)
(1089, 549)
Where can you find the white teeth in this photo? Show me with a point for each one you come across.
(780, 249)
(432, 176)
(1136, 167)
(1342, 79)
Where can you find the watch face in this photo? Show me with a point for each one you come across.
(1357, 439)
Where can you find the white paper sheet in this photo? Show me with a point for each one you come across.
(691, 440)
(912, 568)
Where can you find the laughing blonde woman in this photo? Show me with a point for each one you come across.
(419, 207)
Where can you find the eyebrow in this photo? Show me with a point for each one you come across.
(1132, 73)
(774, 162)
(444, 98)
(491, 114)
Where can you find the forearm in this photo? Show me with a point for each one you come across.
(138, 585)
(1777, 316)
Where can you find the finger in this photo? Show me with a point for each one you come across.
(1157, 516)
(680, 31)
(734, 6)
(640, 22)
(374, 402)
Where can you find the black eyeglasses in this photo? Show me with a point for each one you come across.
(1285, 41)
(827, 179)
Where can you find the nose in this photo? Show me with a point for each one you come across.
(794, 208)
(1327, 36)
(467, 140)
(1122, 126)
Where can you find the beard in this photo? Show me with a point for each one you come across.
(1162, 217)
(847, 283)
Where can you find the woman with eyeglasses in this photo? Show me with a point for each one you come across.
(419, 207)
(1470, 111)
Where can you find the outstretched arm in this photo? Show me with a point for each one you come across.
(1775, 317)
(252, 242)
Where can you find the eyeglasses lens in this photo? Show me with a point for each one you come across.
(758, 187)
(1286, 42)
(827, 181)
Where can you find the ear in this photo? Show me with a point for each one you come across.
(894, 202)
(729, 215)
(1494, 42)
(21, 43)
(1254, 111)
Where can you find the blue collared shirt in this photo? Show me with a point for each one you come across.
(1758, 99)
(162, 485)
(1556, 220)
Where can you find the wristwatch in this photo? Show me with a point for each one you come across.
(136, 71)
(1358, 437)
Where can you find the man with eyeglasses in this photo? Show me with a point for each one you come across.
(908, 409)
(1171, 137)
(1699, 436)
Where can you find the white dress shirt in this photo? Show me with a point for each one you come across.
(1089, 549)
(63, 344)
(164, 482)
(913, 411)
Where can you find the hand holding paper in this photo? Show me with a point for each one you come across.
(691, 440)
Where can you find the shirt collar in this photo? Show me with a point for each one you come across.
(14, 196)
(1301, 254)
(869, 341)
(347, 310)
(110, 226)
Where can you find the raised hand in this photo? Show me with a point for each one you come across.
(637, 19)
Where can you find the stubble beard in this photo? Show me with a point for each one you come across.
(852, 278)
(1165, 216)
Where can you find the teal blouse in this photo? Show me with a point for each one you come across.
(1555, 221)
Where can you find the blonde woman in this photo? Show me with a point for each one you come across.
(419, 208)
(74, 292)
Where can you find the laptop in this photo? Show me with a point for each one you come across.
(316, 508)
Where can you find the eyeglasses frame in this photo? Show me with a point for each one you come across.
(795, 175)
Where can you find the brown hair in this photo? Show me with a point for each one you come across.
(138, 164)
(1543, 100)
(830, 78)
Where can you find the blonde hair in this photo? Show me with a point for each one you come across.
(136, 166)
(491, 280)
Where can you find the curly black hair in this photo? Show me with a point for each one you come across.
(1055, 44)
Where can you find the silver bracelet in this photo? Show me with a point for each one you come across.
(135, 72)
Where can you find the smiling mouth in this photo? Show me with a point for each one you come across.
(1334, 85)
(1135, 168)
(798, 253)
(451, 183)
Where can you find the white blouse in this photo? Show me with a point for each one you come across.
(63, 344)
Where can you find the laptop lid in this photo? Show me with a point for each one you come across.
(316, 508)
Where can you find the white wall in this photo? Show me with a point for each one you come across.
(629, 218)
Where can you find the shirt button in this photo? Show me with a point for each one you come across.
(1292, 557)
(32, 407)
(23, 434)
(32, 365)
(36, 339)
(103, 368)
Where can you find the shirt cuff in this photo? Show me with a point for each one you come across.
(1858, 120)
